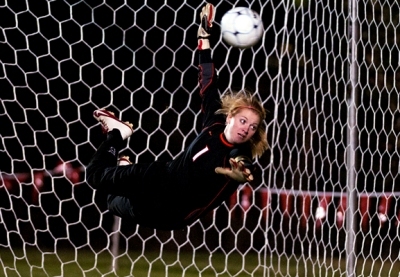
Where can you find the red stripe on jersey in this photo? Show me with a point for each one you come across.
(199, 212)
(203, 85)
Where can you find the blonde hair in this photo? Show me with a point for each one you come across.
(233, 102)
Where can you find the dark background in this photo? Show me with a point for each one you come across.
(61, 60)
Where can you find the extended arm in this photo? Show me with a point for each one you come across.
(207, 73)
(208, 86)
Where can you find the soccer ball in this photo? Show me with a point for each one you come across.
(241, 27)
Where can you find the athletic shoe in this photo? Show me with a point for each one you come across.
(109, 122)
(207, 16)
(124, 160)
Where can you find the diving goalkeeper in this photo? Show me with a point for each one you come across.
(169, 195)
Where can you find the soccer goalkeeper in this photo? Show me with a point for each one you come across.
(171, 195)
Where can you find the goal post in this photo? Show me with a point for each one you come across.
(325, 200)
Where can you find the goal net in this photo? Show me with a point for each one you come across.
(325, 199)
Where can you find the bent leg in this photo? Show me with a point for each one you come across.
(106, 156)
(104, 174)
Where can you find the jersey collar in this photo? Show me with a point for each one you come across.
(224, 141)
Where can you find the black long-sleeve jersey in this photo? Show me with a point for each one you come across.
(171, 195)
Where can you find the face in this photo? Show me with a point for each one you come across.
(242, 126)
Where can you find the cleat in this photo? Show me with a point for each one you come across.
(124, 160)
(207, 16)
(109, 122)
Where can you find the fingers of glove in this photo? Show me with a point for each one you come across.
(250, 177)
(242, 168)
(221, 170)
(239, 173)
(246, 173)
(238, 165)
(233, 163)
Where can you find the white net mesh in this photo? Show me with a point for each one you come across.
(61, 60)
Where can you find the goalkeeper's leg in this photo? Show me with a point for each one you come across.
(121, 205)
(99, 173)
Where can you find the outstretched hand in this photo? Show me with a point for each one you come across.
(237, 172)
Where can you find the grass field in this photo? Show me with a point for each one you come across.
(88, 263)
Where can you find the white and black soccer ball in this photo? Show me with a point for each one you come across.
(241, 27)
